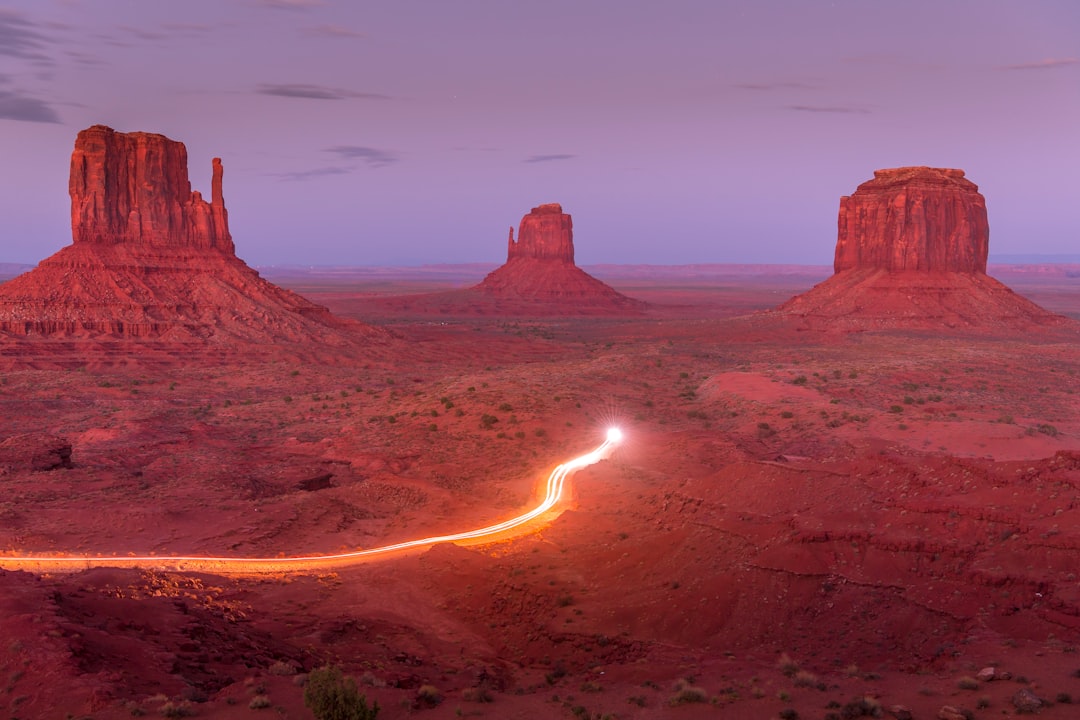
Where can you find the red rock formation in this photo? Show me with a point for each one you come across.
(914, 218)
(546, 233)
(911, 252)
(134, 188)
(151, 259)
(540, 275)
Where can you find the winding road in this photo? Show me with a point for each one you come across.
(256, 565)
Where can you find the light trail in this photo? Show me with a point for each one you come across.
(256, 565)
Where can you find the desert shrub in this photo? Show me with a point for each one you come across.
(488, 420)
(967, 683)
(800, 380)
(861, 707)
(686, 694)
(505, 407)
(805, 679)
(177, 710)
(787, 414)
(428, 696)
(479, 694)
(259, 702)
(786, 665)
(896, 409)
(330, 696)
(789, 714)
(1063, 698)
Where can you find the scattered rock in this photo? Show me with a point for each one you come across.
(900, 712)
(35, 451)
(987, 674)
(1027, 702)
(948, 712)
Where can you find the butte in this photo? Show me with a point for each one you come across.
(911, 252)
(539, 279)
(152, 273)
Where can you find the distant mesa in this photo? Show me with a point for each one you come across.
(540, 275)
(911, 251)
(151, 259)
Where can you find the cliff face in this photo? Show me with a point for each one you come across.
(134, 188)
(911, 252)
(546, 233)
(540, 276)
(151, 261)
(914, 219)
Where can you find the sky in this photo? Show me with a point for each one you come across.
(406, 132)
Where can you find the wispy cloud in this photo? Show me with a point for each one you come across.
(768, 86)
(142, 33)
(334, 31)
(17, 106)
(310, 91)
(316, 173)
(549, 158)
(1047, 64)
(20, 38)
(292, 4)
(843, 109)
(372, 157)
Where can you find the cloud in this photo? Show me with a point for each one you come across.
(336, 31)
(371, 156)
(775, 86)
(843, 109)
(19, 38)
(292, 4)
(309, 91)
(1046, 64)
(141, 33)
(15, 106)
(309, 174)
(549, 158)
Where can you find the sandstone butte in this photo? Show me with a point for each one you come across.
(911, 251)
(152, 260)
(540, 275)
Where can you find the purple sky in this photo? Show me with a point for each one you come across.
(407, 132)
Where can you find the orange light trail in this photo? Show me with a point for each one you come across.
(253, 565)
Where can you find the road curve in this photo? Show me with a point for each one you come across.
(303, 563)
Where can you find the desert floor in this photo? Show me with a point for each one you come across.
(798, 525)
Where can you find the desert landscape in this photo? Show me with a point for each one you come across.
(841, 492)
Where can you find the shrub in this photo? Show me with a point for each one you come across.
(259, 702)
(428, 696)
(967, 683)
(800, 380)
(505, 407)
(488, 420)
(686, 694)
(787, 414)
(330, 696)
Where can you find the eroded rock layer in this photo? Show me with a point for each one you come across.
(911, 251)
(540, 274)
(914, 218)
(152, 260)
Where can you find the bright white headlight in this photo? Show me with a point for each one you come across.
(614, 435)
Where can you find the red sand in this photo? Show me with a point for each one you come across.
(892, 510)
